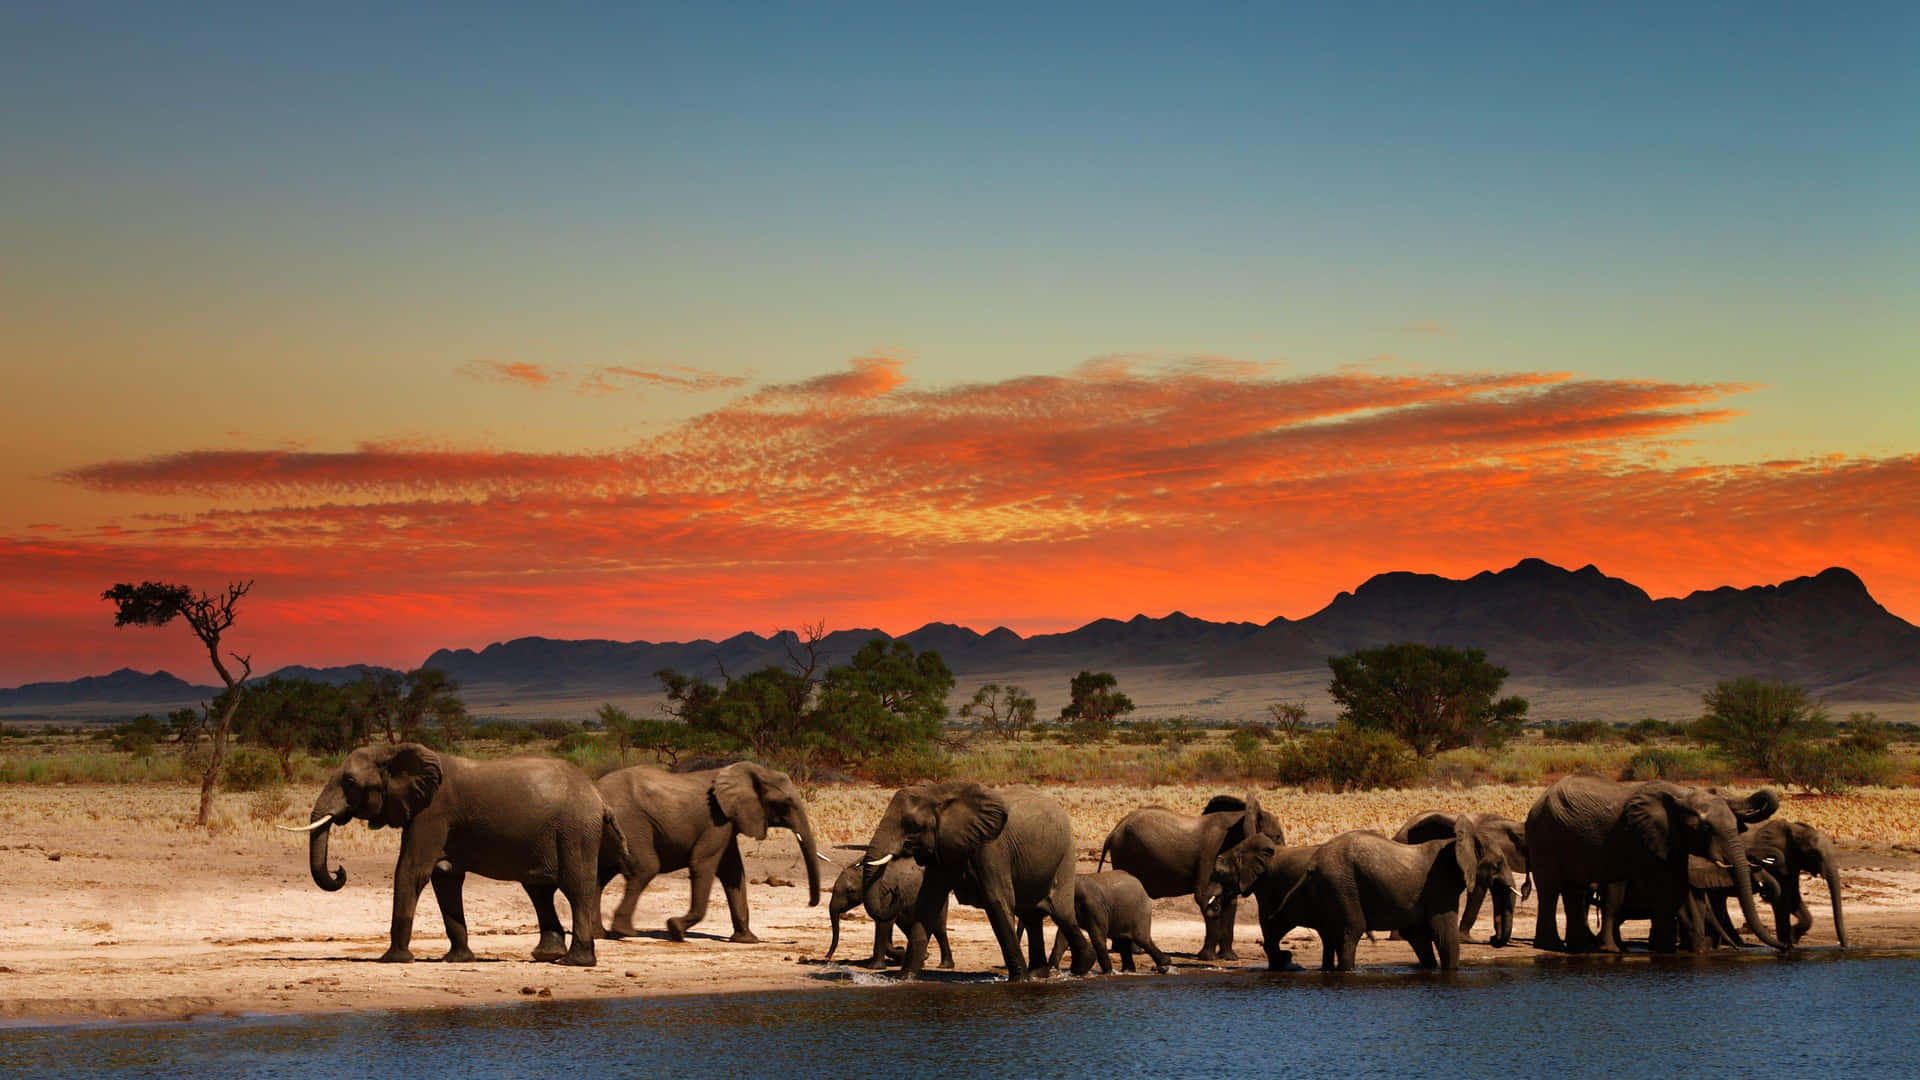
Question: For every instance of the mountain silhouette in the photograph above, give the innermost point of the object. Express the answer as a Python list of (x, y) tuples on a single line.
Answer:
[(1546, 625)]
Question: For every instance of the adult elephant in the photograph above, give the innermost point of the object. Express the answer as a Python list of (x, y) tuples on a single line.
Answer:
[(1584, 831), (1502, 847), (1267, 870), (1787, 850), (535, 820), (890, 903), (1008, 851), (1360, 881), (1173, 854), (693, 821)]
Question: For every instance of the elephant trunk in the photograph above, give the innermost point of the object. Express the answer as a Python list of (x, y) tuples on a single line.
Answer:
[(1736, 852), (330, 807), (833, 915), (808, 854), (1830, 867)]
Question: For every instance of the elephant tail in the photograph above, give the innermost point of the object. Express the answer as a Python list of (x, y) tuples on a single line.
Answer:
[(1104, 849), (615, 856)]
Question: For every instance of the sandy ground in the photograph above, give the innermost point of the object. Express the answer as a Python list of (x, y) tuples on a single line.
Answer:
[(121, 910)]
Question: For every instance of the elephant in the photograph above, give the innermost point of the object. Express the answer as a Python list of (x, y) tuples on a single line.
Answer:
[(889, 903), (1009, 851), (1112, 906), (1784, 850), (1502, 846), (535, 820), (1173, 854), (1584, 831), (1360, 881), (692, 820), (1266, 870), (1703, 921)]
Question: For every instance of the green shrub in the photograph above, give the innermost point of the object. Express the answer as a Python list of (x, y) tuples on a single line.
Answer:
[(249, 769), (1579, 731), (1833, 768), (554, 730), (909, 765), (1646, 729), (1675, 763), (1347, 759), (1754, 723), (503, 731)]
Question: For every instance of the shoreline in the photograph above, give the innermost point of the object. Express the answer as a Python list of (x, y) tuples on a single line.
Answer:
[(126, 914)]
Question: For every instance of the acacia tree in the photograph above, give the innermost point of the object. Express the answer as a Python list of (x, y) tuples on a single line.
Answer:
[(1434, 698), (1095, 703), (208, 615), (1002, 711), (1757, 723)]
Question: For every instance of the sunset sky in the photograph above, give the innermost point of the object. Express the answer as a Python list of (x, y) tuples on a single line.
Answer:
[(450, 326)]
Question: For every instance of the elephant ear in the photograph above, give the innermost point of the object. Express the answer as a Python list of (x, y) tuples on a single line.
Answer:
[(736, 795), (1704, 873), (413, 775), (1466, 851), (1756, 807), (1515, 836), (1811, 850), (1432, 825), (1221, 804), (1648, 817), (970, 816)]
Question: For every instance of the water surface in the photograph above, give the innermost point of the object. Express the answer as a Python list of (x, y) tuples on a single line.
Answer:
[(1847, 1017)]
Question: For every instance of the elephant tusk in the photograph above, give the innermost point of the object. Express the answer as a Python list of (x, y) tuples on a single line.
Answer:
[(881, 861), (824, 859), (306, 828)]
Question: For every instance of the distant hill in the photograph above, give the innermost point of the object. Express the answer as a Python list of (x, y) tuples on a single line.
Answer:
[(1550, 627)]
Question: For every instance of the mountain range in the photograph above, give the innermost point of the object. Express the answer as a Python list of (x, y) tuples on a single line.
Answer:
[(1550, 627)]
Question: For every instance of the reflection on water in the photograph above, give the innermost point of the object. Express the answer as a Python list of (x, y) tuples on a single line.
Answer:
[(1756, 1017)]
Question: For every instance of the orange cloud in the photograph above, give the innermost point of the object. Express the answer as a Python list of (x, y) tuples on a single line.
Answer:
[(518, 373), (609, 380), (1038, 502)]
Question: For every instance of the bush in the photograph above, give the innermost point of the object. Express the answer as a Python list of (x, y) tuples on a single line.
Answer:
[(248, 769), (1754, 723), (554, 730), (1646, 729), (909, 765), (1347, 759), (1674, 763), (1579, 731), (1833, 768), (503, 731), (1432, 697)]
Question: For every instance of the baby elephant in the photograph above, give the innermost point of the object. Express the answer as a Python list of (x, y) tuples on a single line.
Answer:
[(1113, 906), (890, 903)]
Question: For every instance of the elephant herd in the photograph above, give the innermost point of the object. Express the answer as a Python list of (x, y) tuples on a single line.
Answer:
[(1664, 852)]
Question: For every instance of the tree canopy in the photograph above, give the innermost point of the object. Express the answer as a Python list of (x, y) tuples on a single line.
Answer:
[(1433, 697)]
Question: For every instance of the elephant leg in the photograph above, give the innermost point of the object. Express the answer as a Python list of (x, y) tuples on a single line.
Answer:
[(1059, 949), (1065, 918), (882, 943), (1546, 933), (1006, 932), (1502, 916), (410, 876), (1223, 929), (447, 892), (1098, 937), (1470, 911), (1663, 938), (1349, 938), (1034, 925), (931, 905), (1613, 901), (701, 870), (1421, 938), (1161, 962), (1444, 931), (646, 866), (732, 873), (1124, 946), (553, 938), (581, 886), (1329, 952), (1579, 935), (1272, 929), (939, 932)]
